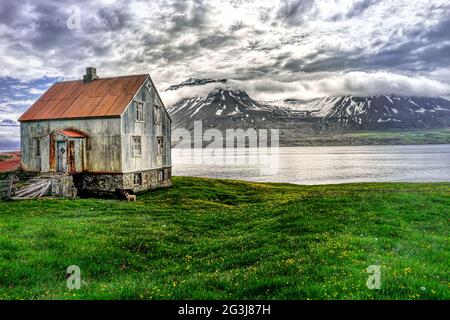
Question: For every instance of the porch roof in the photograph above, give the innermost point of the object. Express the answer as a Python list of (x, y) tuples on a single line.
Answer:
[(71, 133)]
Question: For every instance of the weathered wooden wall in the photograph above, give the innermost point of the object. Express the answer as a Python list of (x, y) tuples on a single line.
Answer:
[(102, 149), (148, 130)]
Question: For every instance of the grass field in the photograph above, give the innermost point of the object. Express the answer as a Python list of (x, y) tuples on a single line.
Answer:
[(424, 136), (210, 239), (387, 137)]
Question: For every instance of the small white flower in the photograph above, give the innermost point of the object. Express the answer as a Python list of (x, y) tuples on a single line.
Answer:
[(422, 288)]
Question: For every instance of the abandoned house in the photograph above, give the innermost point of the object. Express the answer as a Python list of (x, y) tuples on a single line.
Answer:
[(109, 134)]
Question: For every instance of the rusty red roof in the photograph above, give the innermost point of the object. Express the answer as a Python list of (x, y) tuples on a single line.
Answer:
[(71, 133), (104, 97)]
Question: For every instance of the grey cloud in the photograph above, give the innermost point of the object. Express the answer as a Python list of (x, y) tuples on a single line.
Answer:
[(238, 25), (113, 19), (439, 32), (276, 41), (418, 49), (216, 40), (359, 7), (185, 15), (10, 12), (294, 12)]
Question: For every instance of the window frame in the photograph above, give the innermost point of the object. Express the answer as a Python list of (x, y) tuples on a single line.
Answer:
[(134, 144), (160, 147), (139, 110), (137, 176), (157, 114), (163, 173)]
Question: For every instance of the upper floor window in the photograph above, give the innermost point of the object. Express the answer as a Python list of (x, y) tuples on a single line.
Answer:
[(148, 85), (160, 148), (157, 114), (137, 146), (139, 111)]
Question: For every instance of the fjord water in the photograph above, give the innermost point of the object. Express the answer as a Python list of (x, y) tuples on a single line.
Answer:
[(319, 165)]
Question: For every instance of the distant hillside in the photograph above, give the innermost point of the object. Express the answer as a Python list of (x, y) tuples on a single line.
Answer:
[(9, 135), (8, 123)]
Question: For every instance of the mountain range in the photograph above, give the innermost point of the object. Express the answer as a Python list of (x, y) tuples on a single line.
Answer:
[(226, 109), (230, 108)]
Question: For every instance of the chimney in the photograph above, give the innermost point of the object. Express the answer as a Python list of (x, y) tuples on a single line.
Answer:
[(91, 75)]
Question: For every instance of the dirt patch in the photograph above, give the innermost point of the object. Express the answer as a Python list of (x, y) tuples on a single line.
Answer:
[(4, 157), (9, 161)]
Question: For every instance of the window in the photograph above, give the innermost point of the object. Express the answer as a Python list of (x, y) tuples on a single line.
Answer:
[(160, 148), (157, 114), (137, 146), (161, 176), (37, 147), (148, 85), (137, 179), (139, 111)]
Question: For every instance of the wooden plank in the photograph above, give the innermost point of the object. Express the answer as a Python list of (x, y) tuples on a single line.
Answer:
[(12, 178), (33, 188), (71, 156), (52, 155)]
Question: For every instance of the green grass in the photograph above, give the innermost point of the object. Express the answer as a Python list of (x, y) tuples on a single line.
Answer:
[(424, 136), (387, 137), (211, 239)]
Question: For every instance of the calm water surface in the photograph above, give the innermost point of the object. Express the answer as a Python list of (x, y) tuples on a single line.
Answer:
[(320, 165)]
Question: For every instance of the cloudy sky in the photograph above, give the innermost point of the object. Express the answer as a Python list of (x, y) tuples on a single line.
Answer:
[(273, 49)]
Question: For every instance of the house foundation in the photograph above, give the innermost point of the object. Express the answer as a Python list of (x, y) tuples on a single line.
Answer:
[(132, 182)]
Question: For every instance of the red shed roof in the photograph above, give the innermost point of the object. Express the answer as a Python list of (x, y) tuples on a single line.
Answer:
[(104, 97)]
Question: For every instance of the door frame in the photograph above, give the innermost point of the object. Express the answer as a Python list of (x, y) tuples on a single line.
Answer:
[(64, 160)]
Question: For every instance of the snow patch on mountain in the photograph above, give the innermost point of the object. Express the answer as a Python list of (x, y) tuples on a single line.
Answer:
[(195, 82)]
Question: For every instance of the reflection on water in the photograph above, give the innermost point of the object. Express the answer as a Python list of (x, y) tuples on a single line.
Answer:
[(319, 165)]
